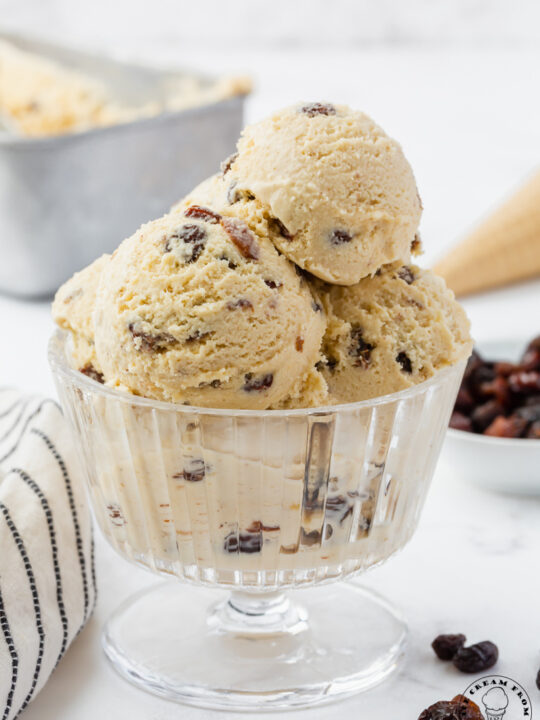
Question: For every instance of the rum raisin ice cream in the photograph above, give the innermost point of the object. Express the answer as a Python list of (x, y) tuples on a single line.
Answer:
[(198, 308), (73, 309), (389, 332), (340, 191)]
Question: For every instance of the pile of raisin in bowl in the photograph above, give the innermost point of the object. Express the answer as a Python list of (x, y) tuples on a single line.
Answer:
[(501, 399)]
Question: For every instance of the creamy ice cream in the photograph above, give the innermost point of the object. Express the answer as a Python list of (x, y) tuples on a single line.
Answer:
[(340, 191), (73, 309), (40, 97), (389, 332), (197, 308)]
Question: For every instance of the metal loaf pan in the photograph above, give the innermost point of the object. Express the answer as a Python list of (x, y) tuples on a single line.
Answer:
[(65, 200)]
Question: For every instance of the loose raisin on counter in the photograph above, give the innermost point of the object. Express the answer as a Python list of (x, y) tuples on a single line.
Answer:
[(476, 658), (460, 708), (446, 646)]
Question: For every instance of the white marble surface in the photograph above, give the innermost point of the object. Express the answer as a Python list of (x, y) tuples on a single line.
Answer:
[(468, 120)]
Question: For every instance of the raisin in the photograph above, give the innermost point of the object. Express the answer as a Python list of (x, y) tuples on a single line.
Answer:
[(229, 262), (310, 538), (458, 421), (339, 507), (504, 368), (524, 382), (202, 213), (193, 236), (473, 363), (317, 307), (257, 384), (241, 303), (530, 359), (406, 274), (317, 108), (228, 162), (233, 196), (90, 371), (194, 471), (243, 542), (476, 658), (510, 427), (197, 335), (272, 284), (483, 415), (249, 540), (464, 401), (242, 237), (530, 413), (416, 245), (277, 226), (460, 708), (299, 343), (405, 361), (360, 349), (150, 342), (115, 514), (339, 237), (446, 646)]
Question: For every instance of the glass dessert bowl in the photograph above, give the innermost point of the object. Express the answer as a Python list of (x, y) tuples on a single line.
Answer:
[(255, 503)]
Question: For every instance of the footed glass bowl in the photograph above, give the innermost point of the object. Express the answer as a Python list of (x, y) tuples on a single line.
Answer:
[(255, 503)]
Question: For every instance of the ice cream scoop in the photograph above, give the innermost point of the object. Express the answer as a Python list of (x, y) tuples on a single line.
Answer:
[(73, 309), (495, 701), (339, 190), (198, 308), (389, 332)]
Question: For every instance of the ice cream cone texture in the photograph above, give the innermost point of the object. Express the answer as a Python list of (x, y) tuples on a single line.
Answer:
[(503, 249)]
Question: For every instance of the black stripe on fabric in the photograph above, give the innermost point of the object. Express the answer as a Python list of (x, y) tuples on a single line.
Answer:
[(14, 425), (76, 525), (6, 630), (54, 550), (27, 423), (93, 564), (35, 599), (11, 408)]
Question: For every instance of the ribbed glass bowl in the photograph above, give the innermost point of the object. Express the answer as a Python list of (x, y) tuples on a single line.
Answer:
[(256, 502)]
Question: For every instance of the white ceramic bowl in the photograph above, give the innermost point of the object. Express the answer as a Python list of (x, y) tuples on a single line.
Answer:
[(502, 464)]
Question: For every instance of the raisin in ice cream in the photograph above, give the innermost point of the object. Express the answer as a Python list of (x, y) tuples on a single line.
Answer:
[(196, 307), (340, 191), (389, 332)]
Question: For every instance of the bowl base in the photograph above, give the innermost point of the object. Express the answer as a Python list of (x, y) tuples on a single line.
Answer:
[(271, 651)]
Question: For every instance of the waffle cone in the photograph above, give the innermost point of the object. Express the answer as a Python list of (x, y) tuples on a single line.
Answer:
[(503, 249)]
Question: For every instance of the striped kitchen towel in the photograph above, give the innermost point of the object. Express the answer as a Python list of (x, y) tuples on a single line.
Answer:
[(47, 583)]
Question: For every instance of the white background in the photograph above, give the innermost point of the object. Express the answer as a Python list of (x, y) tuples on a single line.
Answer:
[(456, 81)]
